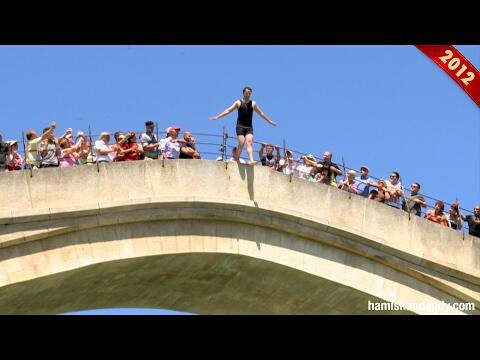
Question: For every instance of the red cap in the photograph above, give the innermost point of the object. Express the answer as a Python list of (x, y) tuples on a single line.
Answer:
[(171, 128)]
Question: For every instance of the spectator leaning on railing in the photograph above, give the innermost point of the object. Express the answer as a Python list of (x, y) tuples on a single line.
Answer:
[(49, 150), (313, 174), (83, 146), (415, 201), (380, 194), (363, 182), (187, 149), (13, 160), (326, 163), (394, 187), (3, 153), (454, 217), (473, 221), (323, 177), (287, 165), (68, 153), (269, 159), (436, 215), (303, 171), (104, 152), (172, 144), (33, 157), (129, 149), (149, 142), (120, 139), (349, 183)]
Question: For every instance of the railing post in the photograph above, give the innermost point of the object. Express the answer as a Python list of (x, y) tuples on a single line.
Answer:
[(158, 138), (404, 198), (223, 147), (159, 150), (224, 144), (91, 148), (285, 158), (345, 178), (25, 154)]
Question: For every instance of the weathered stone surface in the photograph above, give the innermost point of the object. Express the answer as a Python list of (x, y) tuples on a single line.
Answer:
[(64, 226)]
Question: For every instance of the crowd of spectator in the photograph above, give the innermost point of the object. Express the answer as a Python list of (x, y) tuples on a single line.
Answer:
[(389, 192), (66, 151)]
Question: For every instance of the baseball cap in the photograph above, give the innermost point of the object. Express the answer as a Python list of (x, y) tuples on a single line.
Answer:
[(364, 167), (171, 128), (80, 133)]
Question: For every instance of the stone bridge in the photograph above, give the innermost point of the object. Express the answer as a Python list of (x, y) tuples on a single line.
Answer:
[(205, 237)]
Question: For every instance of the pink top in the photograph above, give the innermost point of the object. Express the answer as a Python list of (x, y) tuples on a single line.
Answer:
[(67, 160)]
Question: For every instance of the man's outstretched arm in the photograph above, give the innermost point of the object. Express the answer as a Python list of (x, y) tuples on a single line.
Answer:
[(262, 114), (227, 111)]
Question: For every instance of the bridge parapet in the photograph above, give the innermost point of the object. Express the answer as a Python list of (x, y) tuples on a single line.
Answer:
[(62, 201)]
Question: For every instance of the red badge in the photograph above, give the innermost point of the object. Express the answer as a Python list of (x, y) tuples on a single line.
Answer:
[(457, 66)]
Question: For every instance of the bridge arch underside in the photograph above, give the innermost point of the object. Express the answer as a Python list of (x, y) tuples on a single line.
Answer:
[(201, 283), (205, 266)]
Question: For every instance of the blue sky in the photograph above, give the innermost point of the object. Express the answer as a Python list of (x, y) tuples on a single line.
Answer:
[(389, 107)]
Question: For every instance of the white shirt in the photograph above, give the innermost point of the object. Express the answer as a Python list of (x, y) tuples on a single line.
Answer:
[(398, 201), (172, 149), (9, 159), (290, 168), (303, 171), (162, 143), (100, 145)]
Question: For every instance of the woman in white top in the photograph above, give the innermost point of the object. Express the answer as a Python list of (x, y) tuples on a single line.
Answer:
[(303, 171), (103, 151)]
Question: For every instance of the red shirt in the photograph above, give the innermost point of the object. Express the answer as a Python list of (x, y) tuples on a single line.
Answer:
[(439, 219), (131, 156)]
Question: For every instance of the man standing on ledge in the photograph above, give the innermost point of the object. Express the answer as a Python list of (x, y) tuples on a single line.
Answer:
[(244, 122)]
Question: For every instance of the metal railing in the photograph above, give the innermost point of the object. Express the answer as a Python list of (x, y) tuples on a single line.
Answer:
[(222, 149)]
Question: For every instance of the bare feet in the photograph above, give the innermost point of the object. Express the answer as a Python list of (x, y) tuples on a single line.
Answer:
[(252, 163)]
